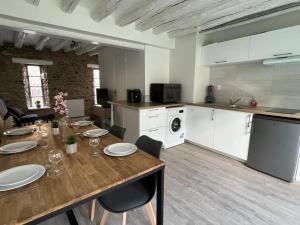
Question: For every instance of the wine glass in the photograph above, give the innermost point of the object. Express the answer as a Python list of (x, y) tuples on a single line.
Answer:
[(76, 126), (44, 135), (39, 123), (94, 142), (55, 156)]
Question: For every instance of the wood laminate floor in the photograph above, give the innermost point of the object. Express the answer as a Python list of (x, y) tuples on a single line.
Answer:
[(205, 188)]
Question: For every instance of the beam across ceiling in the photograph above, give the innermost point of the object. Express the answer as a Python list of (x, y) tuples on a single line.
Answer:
[(19, 39), (33, 2), (104, 8), (68, 6), (86, 48), (59, 45), (41, 43)]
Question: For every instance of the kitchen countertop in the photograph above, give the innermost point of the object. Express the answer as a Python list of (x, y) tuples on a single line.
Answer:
[(145, 105), (257, 110)]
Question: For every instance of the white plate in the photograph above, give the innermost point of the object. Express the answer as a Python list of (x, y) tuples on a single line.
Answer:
[(120, 149), (118, 155), (17, 147), (83, 123), (18, 174), (19, 131), (20, 180), (95, 133)]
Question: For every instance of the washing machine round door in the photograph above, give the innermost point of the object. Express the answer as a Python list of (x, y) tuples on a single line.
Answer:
[(175, 125)]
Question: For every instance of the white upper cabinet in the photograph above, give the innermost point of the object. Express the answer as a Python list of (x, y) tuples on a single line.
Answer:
[(226, 52), (274, 44)]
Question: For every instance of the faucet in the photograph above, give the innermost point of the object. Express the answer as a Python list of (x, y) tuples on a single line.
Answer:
[(233, 102)]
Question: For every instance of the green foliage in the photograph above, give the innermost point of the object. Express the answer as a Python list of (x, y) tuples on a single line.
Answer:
[(55, 123), (71, 139)]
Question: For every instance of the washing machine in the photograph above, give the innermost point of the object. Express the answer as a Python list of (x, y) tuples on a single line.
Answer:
[(175, 128)]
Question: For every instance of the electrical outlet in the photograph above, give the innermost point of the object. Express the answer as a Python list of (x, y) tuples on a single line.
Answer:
[(219, 87)]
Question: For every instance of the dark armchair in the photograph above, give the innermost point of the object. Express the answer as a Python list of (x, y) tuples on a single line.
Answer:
[(20, 118)]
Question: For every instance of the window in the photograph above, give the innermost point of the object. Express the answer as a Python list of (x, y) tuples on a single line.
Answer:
[(36, 86), (96, 74)]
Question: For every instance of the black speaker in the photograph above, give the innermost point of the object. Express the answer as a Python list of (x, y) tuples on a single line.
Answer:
[(102, 97)]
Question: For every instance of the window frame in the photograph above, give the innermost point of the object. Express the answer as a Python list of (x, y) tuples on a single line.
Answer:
[(31, 103)]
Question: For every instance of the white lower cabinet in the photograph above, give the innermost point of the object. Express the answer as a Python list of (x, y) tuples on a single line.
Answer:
[(232, 133), (226, 131), (200, 125)]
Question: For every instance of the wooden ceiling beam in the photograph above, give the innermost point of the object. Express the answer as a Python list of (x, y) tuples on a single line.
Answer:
[(68, 6), (59, 45), (104, 8), (33, 2), (41, 43), (87, 48), (19, 39), (263, 8), (175, 12)]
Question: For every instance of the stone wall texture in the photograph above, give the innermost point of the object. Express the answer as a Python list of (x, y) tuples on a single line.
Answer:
[(69, 73)]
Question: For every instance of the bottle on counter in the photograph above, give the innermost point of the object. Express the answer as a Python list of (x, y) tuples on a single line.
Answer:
[(253, 102)]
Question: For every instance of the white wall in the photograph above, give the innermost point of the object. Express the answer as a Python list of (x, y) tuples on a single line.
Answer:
[(157, 61), (185, 68), (49, 18)]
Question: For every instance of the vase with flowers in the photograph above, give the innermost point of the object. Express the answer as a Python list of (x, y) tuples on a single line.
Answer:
[(61, 110)]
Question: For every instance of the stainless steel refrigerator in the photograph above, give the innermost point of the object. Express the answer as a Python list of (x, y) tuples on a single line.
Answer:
[(274, 146)]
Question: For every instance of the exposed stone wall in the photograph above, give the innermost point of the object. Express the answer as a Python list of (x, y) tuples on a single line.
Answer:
[(69, 73)]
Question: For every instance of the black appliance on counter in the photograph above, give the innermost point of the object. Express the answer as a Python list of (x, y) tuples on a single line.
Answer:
[(165, 93), (210, 98), (102, 97), (134, 95)]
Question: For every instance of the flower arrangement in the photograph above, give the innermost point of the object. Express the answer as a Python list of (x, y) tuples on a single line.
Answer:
[(60, 106)]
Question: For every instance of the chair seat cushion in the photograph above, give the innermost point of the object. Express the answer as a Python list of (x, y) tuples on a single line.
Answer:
[(30, 118), (126, 198)]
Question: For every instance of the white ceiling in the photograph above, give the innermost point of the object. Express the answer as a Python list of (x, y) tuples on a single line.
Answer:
[(179, 17), (40, 42)]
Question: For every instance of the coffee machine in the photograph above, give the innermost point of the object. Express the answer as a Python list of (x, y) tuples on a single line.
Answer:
[(210, 98)]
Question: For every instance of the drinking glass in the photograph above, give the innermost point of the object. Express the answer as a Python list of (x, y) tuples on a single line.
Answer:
[(55, 156), (39, 123), (44, 135), (76, 126), (94, 142)]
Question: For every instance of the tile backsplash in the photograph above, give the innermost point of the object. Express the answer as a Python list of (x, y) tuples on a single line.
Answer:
[(272, 86)]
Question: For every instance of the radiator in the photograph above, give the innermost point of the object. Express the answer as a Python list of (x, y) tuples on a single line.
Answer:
[(76, 107)]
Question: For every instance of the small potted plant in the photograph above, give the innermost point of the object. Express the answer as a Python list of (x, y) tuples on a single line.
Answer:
[(55, 127), (71, 145), (38, 104)]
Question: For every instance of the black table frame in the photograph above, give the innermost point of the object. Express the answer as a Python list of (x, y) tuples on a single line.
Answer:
[(159, 204)]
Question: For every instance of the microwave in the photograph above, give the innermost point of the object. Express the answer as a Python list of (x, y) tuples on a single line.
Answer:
[(165, 93)]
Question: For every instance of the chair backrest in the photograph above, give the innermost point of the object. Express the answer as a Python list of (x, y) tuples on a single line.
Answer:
[(98, 122), (117, 131), (149, 145), (3, 109)]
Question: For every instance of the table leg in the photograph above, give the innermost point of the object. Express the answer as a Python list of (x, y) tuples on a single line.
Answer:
[(160, 198), (71, 217)]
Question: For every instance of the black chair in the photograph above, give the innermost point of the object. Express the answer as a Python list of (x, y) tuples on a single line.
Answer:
[(98, 122), (21, 118), (117, 131), (133, 195)]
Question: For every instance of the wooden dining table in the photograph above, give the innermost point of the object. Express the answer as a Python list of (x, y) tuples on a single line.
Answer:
[(84, 178)]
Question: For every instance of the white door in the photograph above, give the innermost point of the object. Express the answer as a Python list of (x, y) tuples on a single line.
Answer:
[(274, 44), (226, 52), (120, 77), (232, 132), (200, 125)]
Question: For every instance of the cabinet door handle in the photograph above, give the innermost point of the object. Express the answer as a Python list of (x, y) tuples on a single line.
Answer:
[(153, 130), (248, 124), (153, 116), (283, 54), (222, 61), (212, 114)]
